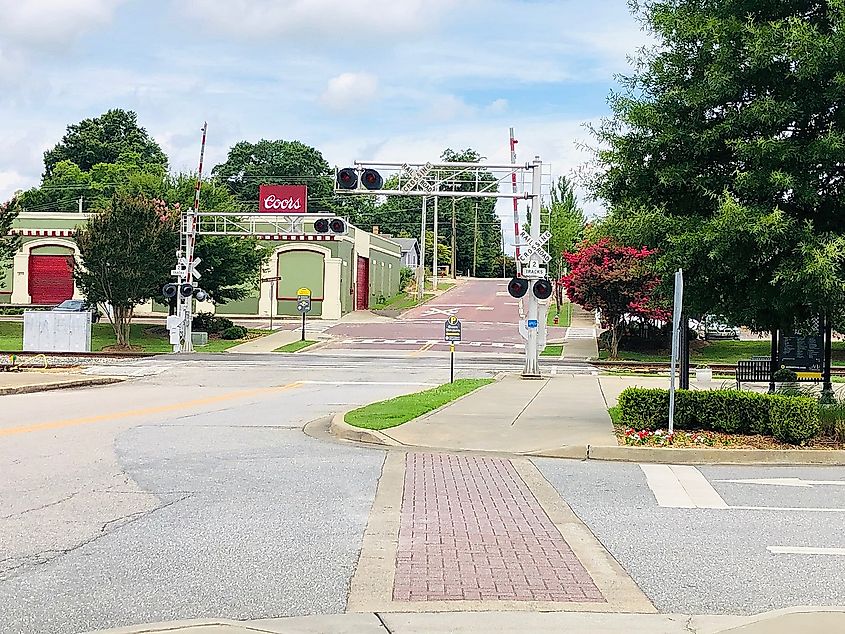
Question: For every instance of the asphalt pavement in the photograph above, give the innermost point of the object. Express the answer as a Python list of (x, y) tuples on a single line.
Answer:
[(716, 560), (189, 492), (489, 317)]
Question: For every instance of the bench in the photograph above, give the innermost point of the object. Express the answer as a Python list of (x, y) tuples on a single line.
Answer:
[(756, 370)]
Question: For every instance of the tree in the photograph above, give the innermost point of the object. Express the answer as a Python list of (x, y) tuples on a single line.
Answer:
[(231, 265), (9, 242), (726, 151), (126, 253), (566, 223), (104, 139), (615, 280), (249, 165)]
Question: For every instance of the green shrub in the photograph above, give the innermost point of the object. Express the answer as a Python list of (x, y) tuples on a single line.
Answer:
[(728, 411), (832, 420), (644, 408), (234, 332), (406, 274), (210, 323), (794, 419), (785, 375)]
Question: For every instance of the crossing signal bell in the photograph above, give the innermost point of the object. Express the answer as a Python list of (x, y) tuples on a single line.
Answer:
[(326, 225), (517, 287), (542, 289)]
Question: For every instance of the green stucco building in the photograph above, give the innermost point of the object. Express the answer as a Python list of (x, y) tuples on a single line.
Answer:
[(344, 272)]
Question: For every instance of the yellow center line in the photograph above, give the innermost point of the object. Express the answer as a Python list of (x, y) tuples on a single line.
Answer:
[(425, 347), (158, 409)]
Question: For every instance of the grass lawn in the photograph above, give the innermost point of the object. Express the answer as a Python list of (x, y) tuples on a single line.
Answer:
[(144, 337), (395, 411), (565, 317), (295, 346), (441, 285), (552, 350), (401, 301)]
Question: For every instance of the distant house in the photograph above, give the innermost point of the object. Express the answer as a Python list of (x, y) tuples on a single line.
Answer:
[(410, 251)]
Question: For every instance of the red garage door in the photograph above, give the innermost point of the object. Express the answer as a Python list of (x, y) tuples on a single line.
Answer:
[(50, 278), (362, 301)]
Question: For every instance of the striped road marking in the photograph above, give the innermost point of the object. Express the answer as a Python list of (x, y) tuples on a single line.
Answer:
[(682, 487), (804, 550)]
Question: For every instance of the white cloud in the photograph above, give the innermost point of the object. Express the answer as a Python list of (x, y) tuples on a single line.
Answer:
[(52, 24), (448, 108), (349, 90), (304, 19), (497, 107)]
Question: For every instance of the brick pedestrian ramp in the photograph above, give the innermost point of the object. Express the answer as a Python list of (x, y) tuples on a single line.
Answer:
[(471, 530)]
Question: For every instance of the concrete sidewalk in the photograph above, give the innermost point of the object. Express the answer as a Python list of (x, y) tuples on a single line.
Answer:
[(517, 416), (33, 381), (804, 620), (268, 343), (580, 342)]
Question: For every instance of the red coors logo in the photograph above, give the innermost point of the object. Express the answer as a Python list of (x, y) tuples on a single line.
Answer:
[(283, 199)]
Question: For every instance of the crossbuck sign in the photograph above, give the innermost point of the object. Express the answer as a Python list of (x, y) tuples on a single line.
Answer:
[(533, 249)]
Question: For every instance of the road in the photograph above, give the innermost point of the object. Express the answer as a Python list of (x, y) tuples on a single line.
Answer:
[(193, 490), (489, 316)]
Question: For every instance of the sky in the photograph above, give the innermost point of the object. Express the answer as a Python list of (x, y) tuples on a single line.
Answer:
[(391, 80)]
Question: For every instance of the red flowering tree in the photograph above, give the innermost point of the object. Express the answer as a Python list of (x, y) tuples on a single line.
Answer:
[(616, 280)]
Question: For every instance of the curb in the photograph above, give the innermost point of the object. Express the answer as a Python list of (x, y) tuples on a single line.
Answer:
[(343, 430), (669, 455), (608, 453), (47, 387), (811, 620)]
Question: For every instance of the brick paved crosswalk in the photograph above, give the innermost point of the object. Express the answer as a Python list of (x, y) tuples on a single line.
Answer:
[(470, 529)]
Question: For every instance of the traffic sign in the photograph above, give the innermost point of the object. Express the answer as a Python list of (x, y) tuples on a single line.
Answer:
[(303, 300), (535, 250), (453, 329), (533, 272), (532, 323)]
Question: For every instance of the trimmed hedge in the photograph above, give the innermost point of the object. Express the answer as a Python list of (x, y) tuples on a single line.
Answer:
[(795, 419), (792, 419)]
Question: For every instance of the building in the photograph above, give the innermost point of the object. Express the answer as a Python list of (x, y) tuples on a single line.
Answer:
[(344, 272), (410, 251)]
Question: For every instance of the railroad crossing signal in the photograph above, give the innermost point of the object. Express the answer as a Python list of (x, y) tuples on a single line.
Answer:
[(533, 249)]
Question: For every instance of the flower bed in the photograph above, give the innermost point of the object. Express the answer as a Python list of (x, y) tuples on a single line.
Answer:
[(718, 440)]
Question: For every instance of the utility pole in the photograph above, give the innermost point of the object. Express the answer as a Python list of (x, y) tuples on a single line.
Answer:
[(434, 245), (475, 240), (515, 207), (532, 354), (421, 267), (454, 251)]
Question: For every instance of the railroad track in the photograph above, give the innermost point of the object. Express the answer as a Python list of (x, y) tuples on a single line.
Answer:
[(658, 366)]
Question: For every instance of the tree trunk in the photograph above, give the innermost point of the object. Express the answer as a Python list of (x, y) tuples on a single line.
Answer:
[(614, 340), (121, 323)]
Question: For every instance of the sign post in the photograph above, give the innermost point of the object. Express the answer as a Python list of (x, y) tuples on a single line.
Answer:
[(676, 322), (272, 281), (303, 305), (452, 334)]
